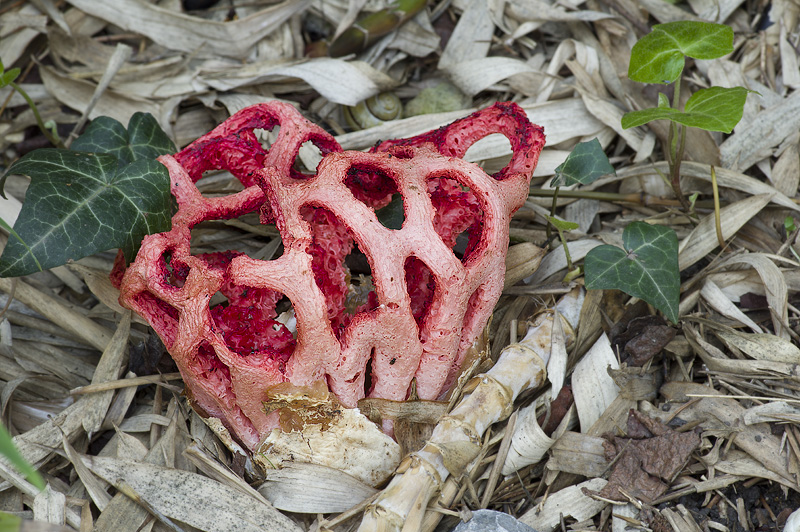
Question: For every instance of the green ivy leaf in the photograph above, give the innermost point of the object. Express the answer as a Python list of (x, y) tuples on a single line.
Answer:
[(712, 109), (144, 139), (80, 202), (392, 216), (658, 57), (585, 163), (647, 268)]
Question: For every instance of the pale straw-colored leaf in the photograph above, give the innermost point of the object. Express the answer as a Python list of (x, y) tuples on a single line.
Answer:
[(714, 10), (49, 506), (775, 287), (178, 31), (786, 172), (790, 69), (761, 346), (472, 36), (529, 443), (592, 386), (191, 498), (108, 369), (342, 82), (475, 75), (567, 502), (754, 140), (578, 453), (94, 486), (773, 411), (313, 489), (14, 44), (703, 238), (717, 300), (77, 94)]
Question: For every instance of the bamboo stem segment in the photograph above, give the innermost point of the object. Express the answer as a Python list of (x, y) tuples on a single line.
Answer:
[(456, 440)]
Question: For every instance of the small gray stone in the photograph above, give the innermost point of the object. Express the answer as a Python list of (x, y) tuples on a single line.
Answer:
[(491, 521)]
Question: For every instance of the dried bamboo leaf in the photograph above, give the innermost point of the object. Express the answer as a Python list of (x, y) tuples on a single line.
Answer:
[(522, 260), (549, 115), (122, 514), (342, 82), (177, 31), (592, 386), (109, 368), (761, 346), (777, 291), (49, 506), (13, 45), (79, 48), (725, 178), (191, 498), (51, 308), (546, 12), (747, 467), (703, 238), (77, 94), (472, 35), (754, 140), (756, 440), (717, 300), (786, 172), (715, 10), (568, 502), (312, 489), (475, 75), (212, 468), (580, 454), (95, 488), (789, 62), (529, 443), (774, 411)]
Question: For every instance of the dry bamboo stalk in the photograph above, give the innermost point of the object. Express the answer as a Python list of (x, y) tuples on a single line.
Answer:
[(455, 441)]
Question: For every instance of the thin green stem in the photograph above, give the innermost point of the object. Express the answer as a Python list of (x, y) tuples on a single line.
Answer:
[(566, 249), (552, 211), (51, 136)]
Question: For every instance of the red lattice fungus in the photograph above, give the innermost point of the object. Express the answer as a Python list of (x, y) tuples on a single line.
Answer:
[(428, 304)]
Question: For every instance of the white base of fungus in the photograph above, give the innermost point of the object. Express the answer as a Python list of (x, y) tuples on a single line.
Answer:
[(350, 443)]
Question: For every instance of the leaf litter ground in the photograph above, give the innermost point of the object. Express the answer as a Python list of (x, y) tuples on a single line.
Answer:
[(699, 428)]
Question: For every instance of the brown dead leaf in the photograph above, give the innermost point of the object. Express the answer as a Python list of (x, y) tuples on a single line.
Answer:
[(647, 460)]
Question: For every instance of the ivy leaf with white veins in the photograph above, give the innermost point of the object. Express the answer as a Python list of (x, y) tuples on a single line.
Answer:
[(585, 163), (82, 202), (647, 268)]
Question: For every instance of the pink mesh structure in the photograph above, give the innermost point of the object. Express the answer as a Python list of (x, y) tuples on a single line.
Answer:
[(428, 304)]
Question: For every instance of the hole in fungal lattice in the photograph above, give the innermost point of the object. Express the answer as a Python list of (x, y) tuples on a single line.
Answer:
[(308, 158), (421, 285), (341, 271), (267, 137), (492, 153), (378, 190), (459, 217), (250, 324)]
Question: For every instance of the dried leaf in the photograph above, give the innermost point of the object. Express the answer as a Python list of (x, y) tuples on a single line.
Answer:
[(703, 238), (177, 31), (593, 388), (191, 498), (313, 489)]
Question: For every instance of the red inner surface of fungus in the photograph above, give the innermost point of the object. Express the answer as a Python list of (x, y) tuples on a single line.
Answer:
[(422, 310)]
